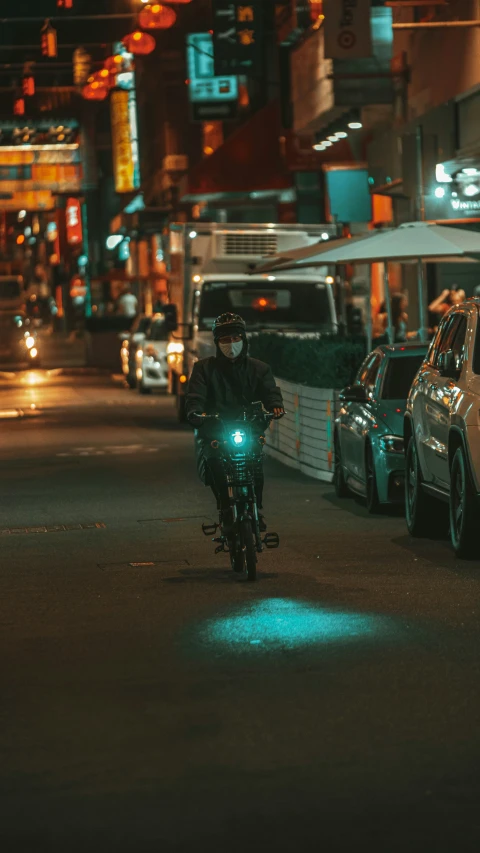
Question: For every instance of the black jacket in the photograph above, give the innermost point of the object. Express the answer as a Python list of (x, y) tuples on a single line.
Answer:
[(218, 385)]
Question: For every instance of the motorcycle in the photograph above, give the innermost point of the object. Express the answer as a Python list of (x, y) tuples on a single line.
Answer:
[(239, 447)]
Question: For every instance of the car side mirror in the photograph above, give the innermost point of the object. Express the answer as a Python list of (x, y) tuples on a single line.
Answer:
[(353, 394), (447, 364)]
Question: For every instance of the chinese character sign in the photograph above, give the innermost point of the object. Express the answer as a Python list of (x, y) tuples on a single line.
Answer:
[(237, 37), (73, 222), (124, 141)]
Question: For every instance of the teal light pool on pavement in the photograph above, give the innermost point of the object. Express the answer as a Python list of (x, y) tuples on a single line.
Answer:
[(286, 623)]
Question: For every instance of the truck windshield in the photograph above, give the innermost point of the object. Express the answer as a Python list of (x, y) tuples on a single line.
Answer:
[(273, 305), (10, 289)]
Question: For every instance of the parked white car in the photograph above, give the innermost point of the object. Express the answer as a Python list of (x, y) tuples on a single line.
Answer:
[(442, 432), (130, 343), (151, 357)]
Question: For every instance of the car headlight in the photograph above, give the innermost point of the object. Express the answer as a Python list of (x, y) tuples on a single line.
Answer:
[(392, 443), (238, 437), (30, 341), (174, 347)]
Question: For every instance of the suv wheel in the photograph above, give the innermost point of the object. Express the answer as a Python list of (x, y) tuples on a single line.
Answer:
[(373, 504), (463, 509), (420, 508), (341, 488)]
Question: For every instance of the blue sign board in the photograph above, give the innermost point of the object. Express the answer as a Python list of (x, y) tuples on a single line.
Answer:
[(203, 85)]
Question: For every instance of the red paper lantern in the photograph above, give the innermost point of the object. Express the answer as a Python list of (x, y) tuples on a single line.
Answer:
[(28, 85), (103, 77), (48, 40), (138, 43), (114, 63), (157, 17), (19, 107), (95, 91)]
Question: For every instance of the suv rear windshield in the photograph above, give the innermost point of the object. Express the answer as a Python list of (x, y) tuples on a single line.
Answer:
[(399, 376)]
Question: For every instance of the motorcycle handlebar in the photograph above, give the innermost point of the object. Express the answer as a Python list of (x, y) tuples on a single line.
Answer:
[(197, 419)]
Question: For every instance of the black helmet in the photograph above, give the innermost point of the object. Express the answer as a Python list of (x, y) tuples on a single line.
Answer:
[(229, 324)]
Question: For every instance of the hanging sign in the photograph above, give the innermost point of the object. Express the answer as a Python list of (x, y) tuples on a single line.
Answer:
[(347, 29), (238, 37), (125, 141), (203, 85), (73, 221)]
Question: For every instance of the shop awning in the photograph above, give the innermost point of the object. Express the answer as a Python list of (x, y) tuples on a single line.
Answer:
[(249, 161)]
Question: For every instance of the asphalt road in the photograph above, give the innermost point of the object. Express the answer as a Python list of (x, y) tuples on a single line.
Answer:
[(150, 701)]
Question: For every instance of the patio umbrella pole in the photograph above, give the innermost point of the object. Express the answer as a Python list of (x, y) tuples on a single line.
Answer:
[(423, 328), (368, 312), (388, 304)]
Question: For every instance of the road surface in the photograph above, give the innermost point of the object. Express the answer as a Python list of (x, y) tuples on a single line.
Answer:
[(151, 701)]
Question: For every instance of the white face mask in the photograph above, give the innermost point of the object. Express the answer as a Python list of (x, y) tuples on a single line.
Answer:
[(232, 350)]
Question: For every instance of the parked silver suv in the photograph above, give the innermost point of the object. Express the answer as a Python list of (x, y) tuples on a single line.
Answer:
[(442, 433)]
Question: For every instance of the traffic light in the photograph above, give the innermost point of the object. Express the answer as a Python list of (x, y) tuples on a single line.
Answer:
[(48, 40)]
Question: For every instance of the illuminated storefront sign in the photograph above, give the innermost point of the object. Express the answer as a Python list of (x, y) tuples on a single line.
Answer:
[(73, 221), (125, 141), (30, 201), (204, 86)]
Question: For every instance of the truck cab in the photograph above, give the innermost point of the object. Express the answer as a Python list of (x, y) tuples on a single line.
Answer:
[(212, 271)]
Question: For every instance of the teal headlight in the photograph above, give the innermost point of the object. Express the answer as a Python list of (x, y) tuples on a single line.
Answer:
[(238, 437)]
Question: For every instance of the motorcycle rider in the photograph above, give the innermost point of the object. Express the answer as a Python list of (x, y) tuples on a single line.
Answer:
[(225, 384)]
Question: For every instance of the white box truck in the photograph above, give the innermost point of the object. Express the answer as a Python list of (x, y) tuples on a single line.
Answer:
[(210, 266)]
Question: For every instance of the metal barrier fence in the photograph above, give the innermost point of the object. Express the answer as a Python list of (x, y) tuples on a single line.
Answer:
[(303, 439)]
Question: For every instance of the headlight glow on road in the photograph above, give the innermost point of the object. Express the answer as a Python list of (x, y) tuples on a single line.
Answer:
[(284, 623)]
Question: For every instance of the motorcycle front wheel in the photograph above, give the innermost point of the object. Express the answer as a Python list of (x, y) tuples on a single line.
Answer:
[(248, 549)]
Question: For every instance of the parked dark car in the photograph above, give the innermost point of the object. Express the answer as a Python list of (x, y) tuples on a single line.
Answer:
[(368, 436)]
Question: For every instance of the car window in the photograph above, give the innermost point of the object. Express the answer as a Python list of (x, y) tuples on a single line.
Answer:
[(447, 334), (373, 373), (364, 371), (440, 336), (476, 351), (399, 375), (367, 375), (458, 341)]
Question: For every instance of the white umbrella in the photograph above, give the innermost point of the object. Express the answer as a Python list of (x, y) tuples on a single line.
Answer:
[(412, 241)]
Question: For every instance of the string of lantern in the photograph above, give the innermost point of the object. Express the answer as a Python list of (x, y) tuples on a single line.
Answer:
[(152, 16)]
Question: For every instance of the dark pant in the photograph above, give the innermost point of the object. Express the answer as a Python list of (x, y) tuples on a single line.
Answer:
[(216, 480)]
